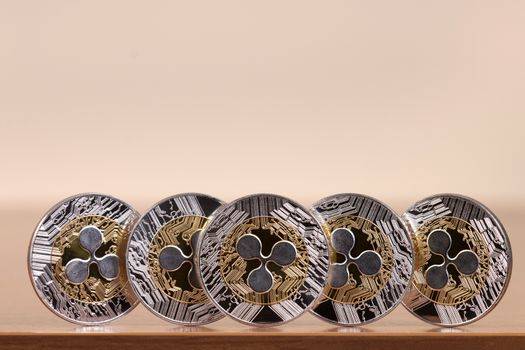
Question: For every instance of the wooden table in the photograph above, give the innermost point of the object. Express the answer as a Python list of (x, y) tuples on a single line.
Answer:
[(26, 324)]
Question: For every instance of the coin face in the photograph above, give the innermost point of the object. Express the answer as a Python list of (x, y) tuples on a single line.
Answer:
[(463, 260), (162, 259), (77, 259), (371, 259), (263, 259)]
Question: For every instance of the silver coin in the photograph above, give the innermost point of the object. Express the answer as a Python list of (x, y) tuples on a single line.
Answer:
[(77, 259), (162, 255), (463, 260), (263, 259), (371, 259)]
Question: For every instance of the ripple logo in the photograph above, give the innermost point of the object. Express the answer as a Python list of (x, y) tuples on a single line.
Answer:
[(249, 247), (171, 258), (77, 270), (466, 261), (368, 262)]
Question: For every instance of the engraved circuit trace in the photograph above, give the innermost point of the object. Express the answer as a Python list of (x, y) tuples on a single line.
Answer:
[(171, 258)]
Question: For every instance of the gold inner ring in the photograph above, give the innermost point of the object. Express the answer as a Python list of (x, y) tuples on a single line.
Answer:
[(66, 247), (286, 280), (368, 236), (460, 288), (175, 284)]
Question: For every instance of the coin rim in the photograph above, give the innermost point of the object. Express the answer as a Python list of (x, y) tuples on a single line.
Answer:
[(404, 226), (316, 297), (133, 302), (137, 294), (500, 226)]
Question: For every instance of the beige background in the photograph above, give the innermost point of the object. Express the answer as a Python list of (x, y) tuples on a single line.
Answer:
[(142, 100)]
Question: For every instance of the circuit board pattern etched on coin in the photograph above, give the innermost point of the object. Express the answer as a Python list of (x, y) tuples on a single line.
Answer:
[(371, 259), (263, 259), (162, 259), (463, 260), (77, 259)]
